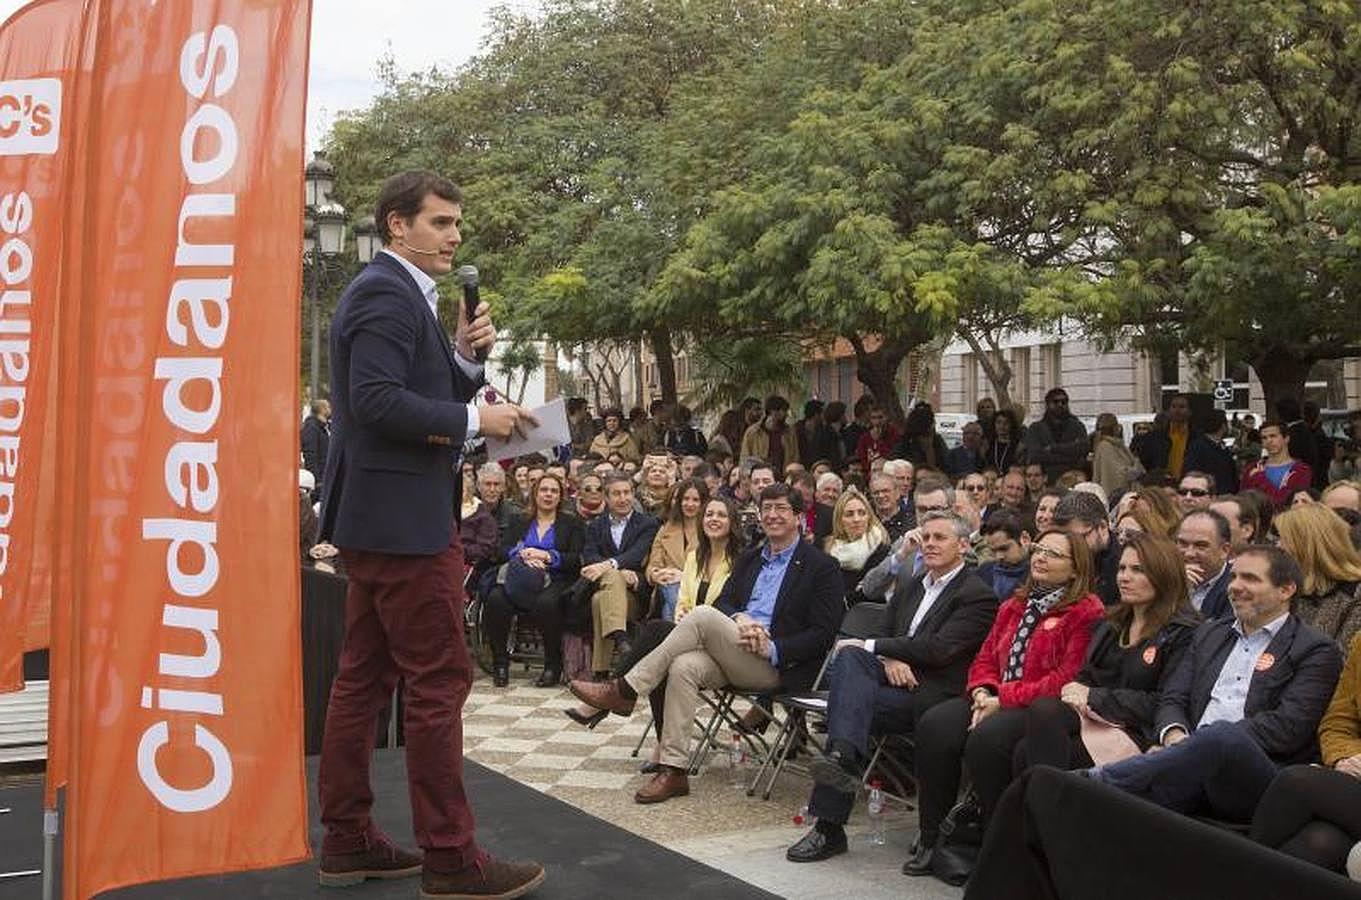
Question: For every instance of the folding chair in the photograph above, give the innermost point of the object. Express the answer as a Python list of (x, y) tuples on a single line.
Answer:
[(861, 621)]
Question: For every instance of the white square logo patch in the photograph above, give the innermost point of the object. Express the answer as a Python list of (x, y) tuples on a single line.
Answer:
[(30, 116)]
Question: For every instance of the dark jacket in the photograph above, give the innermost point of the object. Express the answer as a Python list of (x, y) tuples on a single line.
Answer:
[(1216, 604), (1154, 447), (1002, 455), (947, 639), (1002, 578), (1125, 681), (808, 609), (1213, 458), (962, 461), (316, 443), (569, 539), (919, 450), (632, 551), (821, 442), (1285, 700), (685, 440), (400, 403), (1058, 446), (480, 538)]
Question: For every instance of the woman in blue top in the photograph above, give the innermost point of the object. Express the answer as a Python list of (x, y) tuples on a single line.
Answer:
[(543, 558)]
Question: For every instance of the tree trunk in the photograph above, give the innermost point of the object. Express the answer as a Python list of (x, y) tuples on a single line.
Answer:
[(1282, 375), (551, 387), (666, 364), (996, 368), (877, 370)]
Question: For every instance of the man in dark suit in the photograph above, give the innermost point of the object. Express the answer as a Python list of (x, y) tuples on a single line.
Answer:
[(1245, 700), (771, 627), (316, 442), (1204, 539), (617, 545), (935, 623), (401, 394)]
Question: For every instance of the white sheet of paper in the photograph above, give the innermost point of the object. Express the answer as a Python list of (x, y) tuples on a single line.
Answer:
[(552, 431)]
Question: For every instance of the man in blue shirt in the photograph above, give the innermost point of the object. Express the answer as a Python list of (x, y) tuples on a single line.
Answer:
[(770, 628)]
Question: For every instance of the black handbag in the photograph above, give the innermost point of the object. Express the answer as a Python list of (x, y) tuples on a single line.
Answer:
[(961, 837)]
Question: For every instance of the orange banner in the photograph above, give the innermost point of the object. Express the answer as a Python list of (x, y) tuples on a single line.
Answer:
[(180, 738), (38, 48)]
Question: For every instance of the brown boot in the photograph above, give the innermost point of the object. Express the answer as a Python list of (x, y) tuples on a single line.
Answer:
[(667, 783), (487, 879), (603, 695), (382, 859)]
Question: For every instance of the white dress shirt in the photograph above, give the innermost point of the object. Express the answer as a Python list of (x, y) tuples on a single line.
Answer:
[(933, 588), (472, 369)]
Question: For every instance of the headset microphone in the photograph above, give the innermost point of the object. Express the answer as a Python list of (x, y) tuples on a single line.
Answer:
[(468, 275), (421, 252)]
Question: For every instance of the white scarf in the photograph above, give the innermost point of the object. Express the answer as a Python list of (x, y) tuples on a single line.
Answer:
[(852, 555)]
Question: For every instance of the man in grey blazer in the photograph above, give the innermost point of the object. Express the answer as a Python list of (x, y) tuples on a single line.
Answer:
[(933, 627)]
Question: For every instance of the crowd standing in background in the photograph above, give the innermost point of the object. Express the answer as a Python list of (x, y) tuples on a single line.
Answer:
[(1166, 612)]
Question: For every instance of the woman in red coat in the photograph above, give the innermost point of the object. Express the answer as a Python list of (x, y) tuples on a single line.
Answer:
[(1037, 644)]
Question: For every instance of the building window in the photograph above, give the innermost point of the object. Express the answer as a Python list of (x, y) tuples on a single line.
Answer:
[(845, 376), (1053, 366), (1020, 374), (1169, 375), (970, 380)]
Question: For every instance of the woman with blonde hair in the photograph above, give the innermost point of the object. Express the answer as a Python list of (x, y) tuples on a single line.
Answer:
[(1330, 596), (858, 540)]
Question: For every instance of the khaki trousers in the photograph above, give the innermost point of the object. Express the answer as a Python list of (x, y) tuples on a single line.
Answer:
[(610, 605), (701, 652)]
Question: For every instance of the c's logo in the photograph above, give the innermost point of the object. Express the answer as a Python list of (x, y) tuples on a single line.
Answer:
[(30, 116)]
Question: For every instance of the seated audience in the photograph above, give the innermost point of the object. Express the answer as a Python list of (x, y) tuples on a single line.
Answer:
[(1205, 544), (888, 506), (1035, 481), (1343, 495), (1008, 540), (477, 530), (857, 542), (683, 438), (1162, 511), (1084, 516), (617, 545), (658, 475), (770, 628), (1313, 812), (1003, 448), (878, 440), (1140, 641), (1045, 504), (727, 437), (491, 488), (935, 623), (1329, 597), (772, 438), (676, 537), (827, 490), (708, 563), (543, 561), (1242, 521), (1196, 490), (1245, 700), (967, 458), (1012, 496), (1035, 646), (920, 444), (614, 440)]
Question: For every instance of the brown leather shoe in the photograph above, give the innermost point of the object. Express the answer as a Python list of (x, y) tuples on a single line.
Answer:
[(487, 879), (382, 859), (667, 783), (603, 695)]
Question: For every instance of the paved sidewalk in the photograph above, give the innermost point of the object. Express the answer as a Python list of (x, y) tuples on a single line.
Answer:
[(522, 732)]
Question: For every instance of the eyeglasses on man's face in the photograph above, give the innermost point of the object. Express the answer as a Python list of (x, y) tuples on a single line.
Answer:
[(1051, 552)]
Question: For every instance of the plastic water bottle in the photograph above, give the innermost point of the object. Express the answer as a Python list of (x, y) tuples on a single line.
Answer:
[(737, 758), (801, 817), (876, 814)]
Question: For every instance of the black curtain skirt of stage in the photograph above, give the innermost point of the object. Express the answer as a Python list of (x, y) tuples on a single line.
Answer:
[(585, 857)]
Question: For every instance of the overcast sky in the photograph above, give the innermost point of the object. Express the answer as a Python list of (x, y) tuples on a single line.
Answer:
[(348, 37)]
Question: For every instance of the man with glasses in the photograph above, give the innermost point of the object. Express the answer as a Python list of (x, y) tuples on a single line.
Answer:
[(888, 506), (769, 629), (1196, 491), (1058, 441), (1083, 515)]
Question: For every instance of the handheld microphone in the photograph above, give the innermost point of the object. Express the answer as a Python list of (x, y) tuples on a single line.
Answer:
[(468, 275)]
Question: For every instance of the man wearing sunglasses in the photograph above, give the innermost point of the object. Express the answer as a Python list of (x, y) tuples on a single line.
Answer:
[(1195, 491), (1058, 441)]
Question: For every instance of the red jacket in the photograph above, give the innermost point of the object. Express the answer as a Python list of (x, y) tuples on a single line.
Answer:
[(1299, 477), (1053, 657), (880, 448)]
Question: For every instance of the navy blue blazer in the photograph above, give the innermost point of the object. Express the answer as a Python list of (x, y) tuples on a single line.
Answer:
[(1285, 700), (400, 417), (808, 609), (632, 550), (1216, 604)]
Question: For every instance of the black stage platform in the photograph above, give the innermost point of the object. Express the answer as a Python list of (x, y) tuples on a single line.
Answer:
[(585, 856)]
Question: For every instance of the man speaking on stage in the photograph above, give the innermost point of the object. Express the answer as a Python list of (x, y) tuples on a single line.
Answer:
[(401, 396)]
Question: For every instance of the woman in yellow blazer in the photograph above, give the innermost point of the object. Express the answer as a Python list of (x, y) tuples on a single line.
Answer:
[(1314, 812), (703, 574)]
